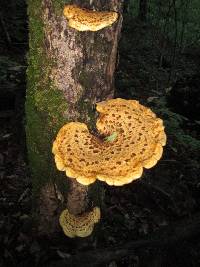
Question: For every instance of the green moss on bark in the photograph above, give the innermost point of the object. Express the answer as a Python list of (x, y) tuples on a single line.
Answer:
[(86, 79), (59, 5), (45, 104), (52, 103), (44, 119), (87, 114)]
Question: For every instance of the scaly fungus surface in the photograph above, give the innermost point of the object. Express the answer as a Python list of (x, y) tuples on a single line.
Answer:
[(137, 143), (83, 19), (79, 226)]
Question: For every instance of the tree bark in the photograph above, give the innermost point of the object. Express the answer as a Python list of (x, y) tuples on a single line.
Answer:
[(69, 71)]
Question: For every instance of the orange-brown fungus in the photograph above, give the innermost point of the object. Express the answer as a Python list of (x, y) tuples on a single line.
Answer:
[(83, 19), (81, 225), (139, 140)]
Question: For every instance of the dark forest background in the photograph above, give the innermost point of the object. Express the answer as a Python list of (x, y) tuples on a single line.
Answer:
[(154, 221)]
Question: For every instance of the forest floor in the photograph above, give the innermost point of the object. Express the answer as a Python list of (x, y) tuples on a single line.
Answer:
[(135, 215)]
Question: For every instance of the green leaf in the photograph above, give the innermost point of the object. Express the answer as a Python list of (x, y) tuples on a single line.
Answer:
[(111, 137)]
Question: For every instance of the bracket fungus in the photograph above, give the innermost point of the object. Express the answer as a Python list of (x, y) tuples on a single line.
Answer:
[(81, 225), (83, 19), (138, 143)]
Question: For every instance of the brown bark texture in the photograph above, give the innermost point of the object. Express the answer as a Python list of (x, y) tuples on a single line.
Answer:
[(69, 71)]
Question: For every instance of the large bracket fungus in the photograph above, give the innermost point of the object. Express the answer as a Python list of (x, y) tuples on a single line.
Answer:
[(79, 226), (83, 19), (138, 143)]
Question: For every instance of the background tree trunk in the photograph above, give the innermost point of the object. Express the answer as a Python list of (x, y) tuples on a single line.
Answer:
[(68, 72), (126, 6), (143, 8)]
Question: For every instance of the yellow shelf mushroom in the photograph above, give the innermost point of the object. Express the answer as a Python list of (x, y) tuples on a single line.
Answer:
[(83, 19), (136, 141), (81, 225)]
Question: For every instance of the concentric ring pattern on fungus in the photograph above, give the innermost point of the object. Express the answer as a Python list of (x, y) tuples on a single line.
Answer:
[(139, 142)]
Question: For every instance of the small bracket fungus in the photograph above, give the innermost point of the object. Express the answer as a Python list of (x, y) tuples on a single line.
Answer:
[(80, 226), (135, 140), (83, 19)]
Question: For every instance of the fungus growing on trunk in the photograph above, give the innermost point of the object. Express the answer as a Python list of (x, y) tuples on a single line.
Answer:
[(79, 226), (138, 142), (83, 19)]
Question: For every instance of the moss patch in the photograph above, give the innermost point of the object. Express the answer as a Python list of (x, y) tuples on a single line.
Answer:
[(86, 79), (45, 104), (52, 102), (58, 6), (41, 132)]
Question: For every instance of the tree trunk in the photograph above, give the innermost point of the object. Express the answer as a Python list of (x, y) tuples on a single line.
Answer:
[(143, 8), (69, 71), (126, 6)]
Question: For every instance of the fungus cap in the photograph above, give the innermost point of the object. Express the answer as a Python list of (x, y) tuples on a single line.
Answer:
[(81, 225), (83, 19), (138, 143)]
